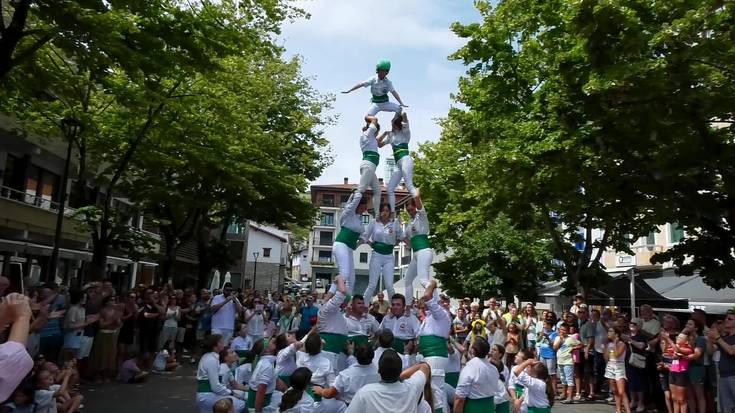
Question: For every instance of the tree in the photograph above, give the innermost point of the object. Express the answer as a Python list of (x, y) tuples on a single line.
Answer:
[(584, 120), (118, 80), (239, 147)]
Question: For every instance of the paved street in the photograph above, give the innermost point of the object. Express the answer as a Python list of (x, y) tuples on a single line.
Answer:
[(175, 393)]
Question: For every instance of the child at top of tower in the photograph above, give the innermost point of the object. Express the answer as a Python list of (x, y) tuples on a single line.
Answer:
[(379, 87)]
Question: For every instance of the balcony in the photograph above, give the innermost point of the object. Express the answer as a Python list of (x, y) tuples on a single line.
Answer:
[(323, 262), (33, 200)]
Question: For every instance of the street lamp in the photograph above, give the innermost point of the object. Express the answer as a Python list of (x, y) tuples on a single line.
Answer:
[(71, 129), (255, 268)]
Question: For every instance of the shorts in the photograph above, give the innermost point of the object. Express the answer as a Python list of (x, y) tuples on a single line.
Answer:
[(384, 107), (615, 371), (678, 379), (727, 393), (85, 347), (566, 374), (180, 332), (550, 365), (696, 375)]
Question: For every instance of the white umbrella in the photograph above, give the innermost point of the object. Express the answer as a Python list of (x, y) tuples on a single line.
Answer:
[(215, 281), (227, 277)]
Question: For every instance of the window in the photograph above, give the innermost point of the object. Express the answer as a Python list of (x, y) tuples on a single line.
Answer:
[(676, 233), (343, 200), (325, 257), (328, 200), (650, 241), (327, 219), (266, 252), (325, 238), (363, 257)]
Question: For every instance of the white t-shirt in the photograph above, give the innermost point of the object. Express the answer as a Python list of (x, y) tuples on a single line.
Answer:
[(224, 318), (398, 397), (352, 379), (159, 364), (600, 338), (44, 399), (368, 141), (242, 343), (534, 392), (477, 380), (378, 87)]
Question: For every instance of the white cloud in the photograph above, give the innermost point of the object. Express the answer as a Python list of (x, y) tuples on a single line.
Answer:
[(417, 24)]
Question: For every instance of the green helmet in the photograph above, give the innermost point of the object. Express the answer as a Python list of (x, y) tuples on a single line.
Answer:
[(383, 64)]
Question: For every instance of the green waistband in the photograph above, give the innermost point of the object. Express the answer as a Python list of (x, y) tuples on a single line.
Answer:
[(451, 378), (333, 343), (310, 392), (359, 340), (399, 151), (484, 405), (380, 98), (251, 398), (539, 409), (519, 390), (203, 386), (420, 242), (371, 156), (285, 379), (433, 346), (348, 237), (399, 345), (382, 248), (503, 407)]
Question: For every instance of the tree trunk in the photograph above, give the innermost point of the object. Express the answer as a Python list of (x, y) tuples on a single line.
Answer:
[(12, 36), (98, 266), (168, 260)]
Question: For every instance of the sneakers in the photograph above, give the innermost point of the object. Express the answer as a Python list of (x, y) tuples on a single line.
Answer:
[(577, 397), (567, 401)]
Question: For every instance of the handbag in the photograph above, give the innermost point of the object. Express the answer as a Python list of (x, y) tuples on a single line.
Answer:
[(636, 360)]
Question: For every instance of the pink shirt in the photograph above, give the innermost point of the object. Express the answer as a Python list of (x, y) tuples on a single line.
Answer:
[(15, 363)]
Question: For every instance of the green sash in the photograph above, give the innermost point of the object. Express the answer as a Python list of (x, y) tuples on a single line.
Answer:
[(285, 379), (503, 407), (539, 409), (451, 378), (348, 237), (251, 398), (399, 345), (359, 340), (333, 343), (420, 242), (382, 248), (371, 156), (203, 386), (433, 346), (310, 392), (399, 151), (380, 98), (519, 390), (484, 405)]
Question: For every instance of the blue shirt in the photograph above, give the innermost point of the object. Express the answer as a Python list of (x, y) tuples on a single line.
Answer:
[(307, 313), (546, 349)]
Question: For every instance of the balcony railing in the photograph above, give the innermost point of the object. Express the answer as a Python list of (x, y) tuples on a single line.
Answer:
[(33, 200), (323, 261)]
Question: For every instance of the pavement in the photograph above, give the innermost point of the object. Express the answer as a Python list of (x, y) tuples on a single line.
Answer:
[(174, 392)]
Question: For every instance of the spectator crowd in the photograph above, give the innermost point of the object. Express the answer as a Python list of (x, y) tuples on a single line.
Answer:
[(336, 353)]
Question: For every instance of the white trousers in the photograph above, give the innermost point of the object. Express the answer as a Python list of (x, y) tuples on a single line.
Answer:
[(205, 402), (385, 107), (368, 178), (380, 264), (404, 169), (420, 265), (438, 364), (345, 263)]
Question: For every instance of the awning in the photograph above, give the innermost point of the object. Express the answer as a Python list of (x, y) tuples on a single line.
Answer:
[(22, 247), (699, 294), (618, 290)]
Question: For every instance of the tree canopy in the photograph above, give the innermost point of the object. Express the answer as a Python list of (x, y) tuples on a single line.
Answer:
[(587, 124)]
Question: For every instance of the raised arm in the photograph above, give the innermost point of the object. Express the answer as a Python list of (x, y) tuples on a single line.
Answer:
[(353, 202), (357, 86)]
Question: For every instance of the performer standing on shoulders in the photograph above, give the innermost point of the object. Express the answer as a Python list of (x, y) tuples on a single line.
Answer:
[(344, 246), (379, 87), (370, 159), (416, 232), (399, 137), (382, 234)]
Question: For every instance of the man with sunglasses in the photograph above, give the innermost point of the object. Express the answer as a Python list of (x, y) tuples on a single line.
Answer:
[(225, 308)]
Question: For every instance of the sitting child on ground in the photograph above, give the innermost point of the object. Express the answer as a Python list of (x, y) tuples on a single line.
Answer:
[(130, 371)]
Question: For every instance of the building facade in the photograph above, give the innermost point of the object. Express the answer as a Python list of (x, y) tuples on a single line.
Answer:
[(262, 256)]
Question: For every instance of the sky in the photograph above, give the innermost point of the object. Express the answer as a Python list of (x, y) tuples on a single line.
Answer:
[(340, 45)]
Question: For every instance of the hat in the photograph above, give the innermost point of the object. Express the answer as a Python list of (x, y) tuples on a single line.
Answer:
[(582, 306), (90, 285), (637, 321), (383, 64)]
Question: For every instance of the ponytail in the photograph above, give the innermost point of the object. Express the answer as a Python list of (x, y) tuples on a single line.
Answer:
[(300, 379), (542, 373)]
